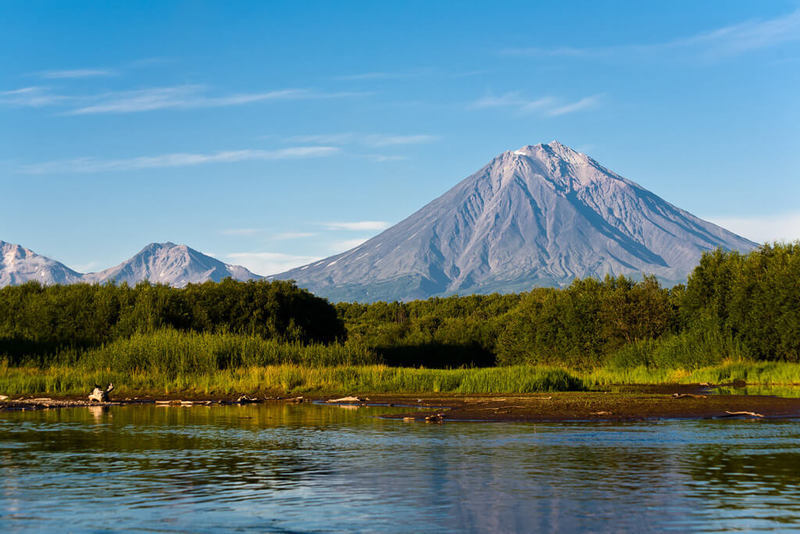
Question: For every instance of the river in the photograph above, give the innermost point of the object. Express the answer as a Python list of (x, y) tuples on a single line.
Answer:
[(311, 468)]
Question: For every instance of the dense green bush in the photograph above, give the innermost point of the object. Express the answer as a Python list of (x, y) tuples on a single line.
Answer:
[(41, 320), (753, 299)]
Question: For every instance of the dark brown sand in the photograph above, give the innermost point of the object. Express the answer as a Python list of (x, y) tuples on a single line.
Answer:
[(595, 406)]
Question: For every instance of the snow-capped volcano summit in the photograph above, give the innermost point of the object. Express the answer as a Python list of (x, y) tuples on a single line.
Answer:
[(171, 264), (540, 215)]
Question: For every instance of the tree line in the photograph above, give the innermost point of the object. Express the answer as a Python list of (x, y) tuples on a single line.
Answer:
[(38, 320), (733, 305)]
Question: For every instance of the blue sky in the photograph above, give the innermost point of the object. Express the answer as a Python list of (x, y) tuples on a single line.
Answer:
[(270, 134)]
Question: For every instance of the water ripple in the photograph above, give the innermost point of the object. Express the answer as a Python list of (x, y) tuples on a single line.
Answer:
[(317, 468)]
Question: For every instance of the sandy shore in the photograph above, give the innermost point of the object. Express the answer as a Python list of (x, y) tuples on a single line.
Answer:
[(632, 403)]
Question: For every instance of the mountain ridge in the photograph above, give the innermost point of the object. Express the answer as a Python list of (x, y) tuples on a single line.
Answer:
[(166, 263)]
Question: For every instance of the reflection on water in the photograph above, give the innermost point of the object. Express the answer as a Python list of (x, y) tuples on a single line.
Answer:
[(792, 392), (321, 468)]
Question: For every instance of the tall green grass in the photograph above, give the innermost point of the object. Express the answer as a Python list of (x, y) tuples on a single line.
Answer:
[(290, 379), (756, 373), (175, 362), (690, 349), (173, 353), (298, 379)]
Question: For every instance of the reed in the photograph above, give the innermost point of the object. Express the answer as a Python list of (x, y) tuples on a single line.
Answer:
[(173, 353), (289, 379), (754, 373)]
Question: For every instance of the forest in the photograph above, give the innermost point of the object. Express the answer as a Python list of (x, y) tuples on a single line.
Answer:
[(734, 308)]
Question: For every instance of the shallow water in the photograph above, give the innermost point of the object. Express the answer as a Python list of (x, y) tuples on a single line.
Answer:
[(307, 468), (791, 392)]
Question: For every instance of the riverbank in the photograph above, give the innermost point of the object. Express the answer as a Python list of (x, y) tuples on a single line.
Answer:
[(294, 380), (628, 404)]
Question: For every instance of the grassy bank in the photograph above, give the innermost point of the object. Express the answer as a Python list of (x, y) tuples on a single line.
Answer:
[(291, 379), (297, 379), (169, 361), (755, 373)]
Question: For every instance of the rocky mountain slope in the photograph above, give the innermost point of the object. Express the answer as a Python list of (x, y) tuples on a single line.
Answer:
[(19, 265), (538, 216)]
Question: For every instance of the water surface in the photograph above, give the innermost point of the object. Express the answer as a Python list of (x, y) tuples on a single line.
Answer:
[(309, 468)]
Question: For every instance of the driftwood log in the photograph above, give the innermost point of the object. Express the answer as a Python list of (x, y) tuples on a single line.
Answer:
[(346, 399), (734, 414), (688, 396), (100, 395)]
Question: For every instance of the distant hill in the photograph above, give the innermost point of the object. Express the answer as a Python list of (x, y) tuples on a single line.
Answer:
[(170, 264), (163, 263), (19, 265), (542, 215)]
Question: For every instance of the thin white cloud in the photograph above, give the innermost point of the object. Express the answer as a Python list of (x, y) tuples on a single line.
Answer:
[(76, 73), (92, 165), (293, 235), (381, 158), (516, 100), (546, 105), (347, 244), (267, 263), (243, 231), (263, 232), (190, 96), (381, 140), (155, 98), (357, 225), (746, 36), (726, 41), (417, 73), (763, 228), (583, 103), (384, 75), (34, 97), (325, 139), (371, 140), (88, 267)]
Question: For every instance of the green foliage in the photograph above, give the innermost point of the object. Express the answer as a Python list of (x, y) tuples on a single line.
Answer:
[(754, 299), (581, 324), (691, 349), (292, 379), (734, 307), (438, 332), (37, 321), (173, 353)]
